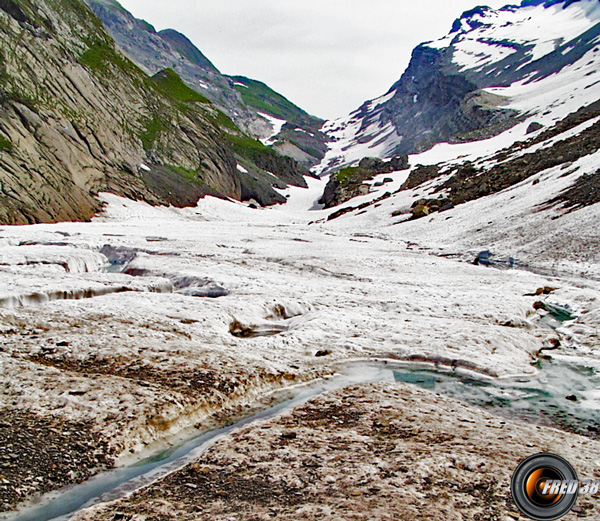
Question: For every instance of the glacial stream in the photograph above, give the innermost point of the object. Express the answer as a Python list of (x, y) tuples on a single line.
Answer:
[(560, 394)]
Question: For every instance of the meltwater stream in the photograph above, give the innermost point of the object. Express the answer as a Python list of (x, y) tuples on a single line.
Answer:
[(560, 394)]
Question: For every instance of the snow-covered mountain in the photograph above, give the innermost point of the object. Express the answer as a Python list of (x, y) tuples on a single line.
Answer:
[(495, 69), (501, 120)]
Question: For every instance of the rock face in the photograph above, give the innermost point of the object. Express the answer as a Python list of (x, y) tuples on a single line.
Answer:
[(441, 96), (245, 101), (350, 181), (433, 102), (78, 118), (300, 136)]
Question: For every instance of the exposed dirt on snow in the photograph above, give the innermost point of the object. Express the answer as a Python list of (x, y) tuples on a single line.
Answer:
[(384, 451), (40, 454), (139, 367)]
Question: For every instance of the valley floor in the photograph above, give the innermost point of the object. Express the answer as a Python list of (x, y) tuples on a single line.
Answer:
[(385, 452), (201, 311)]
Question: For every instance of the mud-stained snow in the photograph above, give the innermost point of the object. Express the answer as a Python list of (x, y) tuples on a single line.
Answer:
[(356, 287), (378, 452), (152, 320)]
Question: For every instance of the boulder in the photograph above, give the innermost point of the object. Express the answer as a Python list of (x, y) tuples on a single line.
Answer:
[(419, 211), (534, 127)]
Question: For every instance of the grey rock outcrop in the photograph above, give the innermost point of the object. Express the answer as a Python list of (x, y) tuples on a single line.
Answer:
[(350, 181), (78, 118)]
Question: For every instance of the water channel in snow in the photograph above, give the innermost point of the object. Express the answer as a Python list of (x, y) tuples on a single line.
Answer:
[(559, 394)]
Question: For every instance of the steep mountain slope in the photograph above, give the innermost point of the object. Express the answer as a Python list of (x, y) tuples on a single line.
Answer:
[(537, 201), (296, 133), (187, 49), (154, 52), (78, 118), (530, 192), (252, 105), (479, 80)]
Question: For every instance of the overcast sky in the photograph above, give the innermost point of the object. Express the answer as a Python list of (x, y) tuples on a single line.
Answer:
[(327, 56)]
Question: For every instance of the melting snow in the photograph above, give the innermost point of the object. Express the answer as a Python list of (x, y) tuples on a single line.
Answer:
[(276, 124)]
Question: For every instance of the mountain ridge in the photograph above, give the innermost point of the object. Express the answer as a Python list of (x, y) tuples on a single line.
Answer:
[(447, 92), (186, 48), (155, 51)]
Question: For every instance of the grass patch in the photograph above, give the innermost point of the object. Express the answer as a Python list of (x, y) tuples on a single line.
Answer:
[(193, 176), (248, 147), (5, 145), (152, 128), (101, 56), (222, 120), (170, 84), (345, 174), (18, 97), (263, 98), (95, 57)]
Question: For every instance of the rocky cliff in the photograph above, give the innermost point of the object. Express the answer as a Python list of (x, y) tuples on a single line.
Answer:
[(450, 90), (77, 117), (254, 107)]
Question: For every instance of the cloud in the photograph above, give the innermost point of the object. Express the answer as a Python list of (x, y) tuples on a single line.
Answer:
[(327, 56)]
